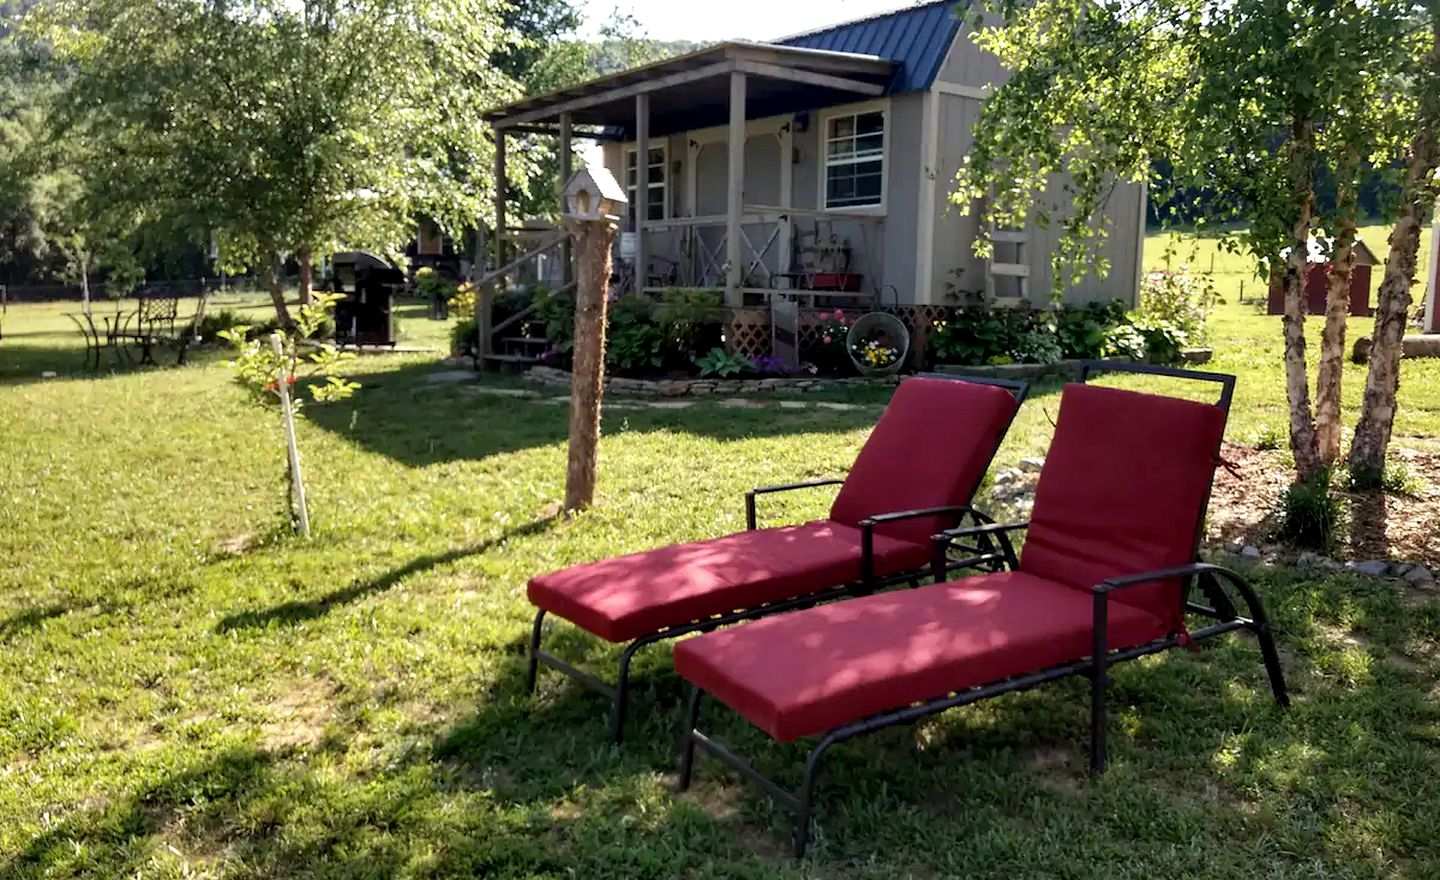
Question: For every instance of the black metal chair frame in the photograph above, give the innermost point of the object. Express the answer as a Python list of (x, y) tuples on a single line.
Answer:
[(993, 538), (619, 693)]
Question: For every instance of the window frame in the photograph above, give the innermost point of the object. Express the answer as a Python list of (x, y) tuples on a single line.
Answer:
[(634, 150), (823, 155)]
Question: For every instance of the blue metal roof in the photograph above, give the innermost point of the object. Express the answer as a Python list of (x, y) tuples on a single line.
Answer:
[(915, 38)]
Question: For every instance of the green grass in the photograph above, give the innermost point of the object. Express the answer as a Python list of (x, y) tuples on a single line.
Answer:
[(186, 691)]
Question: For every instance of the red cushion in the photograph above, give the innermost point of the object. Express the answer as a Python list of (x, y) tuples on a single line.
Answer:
[(810, 671), (929, 449), (1123, 491), (629, 596)]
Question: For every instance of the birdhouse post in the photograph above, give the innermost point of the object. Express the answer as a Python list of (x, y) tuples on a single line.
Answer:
[(594, 203)]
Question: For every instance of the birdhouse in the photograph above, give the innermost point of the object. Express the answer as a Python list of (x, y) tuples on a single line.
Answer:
[(594, 194)]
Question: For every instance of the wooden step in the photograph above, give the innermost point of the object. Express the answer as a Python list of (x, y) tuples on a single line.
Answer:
[(526, 340)]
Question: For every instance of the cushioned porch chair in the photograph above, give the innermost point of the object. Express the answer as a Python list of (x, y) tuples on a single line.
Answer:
[(1105, 576), (915, 475)]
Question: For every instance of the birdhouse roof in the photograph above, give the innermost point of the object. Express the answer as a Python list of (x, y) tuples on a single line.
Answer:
[(596, 180)]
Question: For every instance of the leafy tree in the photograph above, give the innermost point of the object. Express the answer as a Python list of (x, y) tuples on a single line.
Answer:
[(1243, 100), (292, 128)]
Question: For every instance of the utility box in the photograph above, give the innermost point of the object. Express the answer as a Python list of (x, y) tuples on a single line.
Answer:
[(370, 285), (1317, 280)]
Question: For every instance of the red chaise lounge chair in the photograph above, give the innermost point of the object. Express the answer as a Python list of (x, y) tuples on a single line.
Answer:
[(1111, 550), (914, 476)]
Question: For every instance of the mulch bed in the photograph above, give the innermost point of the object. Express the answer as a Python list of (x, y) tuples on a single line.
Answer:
[(1406, 527)]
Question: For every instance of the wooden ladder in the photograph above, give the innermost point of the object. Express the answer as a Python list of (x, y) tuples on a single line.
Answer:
[(1008, 260)]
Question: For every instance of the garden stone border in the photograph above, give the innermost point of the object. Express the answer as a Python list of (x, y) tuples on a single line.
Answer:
[(553, 377)]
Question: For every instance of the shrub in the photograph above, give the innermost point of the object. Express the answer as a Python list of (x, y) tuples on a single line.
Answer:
[(683, 316), (1395, 479), (718, 362), (1269, 437), (431, 284), (463, 337), (1310, 513), (634, 343), (1164, 340), (215, 322), (557, 310), (1179, 299), (1084, 331)]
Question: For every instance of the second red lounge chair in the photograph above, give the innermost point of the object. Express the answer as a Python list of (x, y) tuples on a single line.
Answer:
[(1111, 551), (914, 476)]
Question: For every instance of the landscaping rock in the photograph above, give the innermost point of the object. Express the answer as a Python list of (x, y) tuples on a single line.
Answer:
[(1371, 567), (1309, 560), (1419, 576), (1032, 465), (1250, 551), (794, 404)]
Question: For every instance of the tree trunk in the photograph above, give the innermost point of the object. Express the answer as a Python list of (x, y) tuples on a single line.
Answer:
[(304, 256), (1417, 202), (270, 273), (1297, 380), (593, 241), (1332, 338)]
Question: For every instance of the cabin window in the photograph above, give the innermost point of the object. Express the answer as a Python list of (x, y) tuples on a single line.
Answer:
[(855, 160), (656, 184)]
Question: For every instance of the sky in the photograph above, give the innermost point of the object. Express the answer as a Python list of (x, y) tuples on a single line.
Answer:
[(714, 20)]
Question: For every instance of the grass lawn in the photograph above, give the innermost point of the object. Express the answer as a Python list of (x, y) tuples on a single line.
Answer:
[(185, 691)]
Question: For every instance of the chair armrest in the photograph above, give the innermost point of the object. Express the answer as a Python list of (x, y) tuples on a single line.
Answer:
[(783, 487), (1100, 624), (1160, 574), (868, 524), (939, 565)]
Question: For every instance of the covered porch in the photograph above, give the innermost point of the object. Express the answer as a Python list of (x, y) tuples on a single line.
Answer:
[(743, 233)]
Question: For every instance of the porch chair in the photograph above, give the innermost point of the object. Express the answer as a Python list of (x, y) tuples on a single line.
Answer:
[(1104, 577), (916, 474)]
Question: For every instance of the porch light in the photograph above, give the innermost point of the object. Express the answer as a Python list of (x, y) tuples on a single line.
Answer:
[(594, 194)]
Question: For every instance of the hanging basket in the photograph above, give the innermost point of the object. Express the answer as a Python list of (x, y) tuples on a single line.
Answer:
[(878, 343)]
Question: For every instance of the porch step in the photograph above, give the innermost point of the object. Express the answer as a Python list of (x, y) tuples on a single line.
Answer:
[(526, 340)]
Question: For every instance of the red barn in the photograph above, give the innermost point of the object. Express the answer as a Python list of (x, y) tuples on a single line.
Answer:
[(1317, 279)]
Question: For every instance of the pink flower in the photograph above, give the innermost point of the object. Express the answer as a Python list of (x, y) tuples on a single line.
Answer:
[(824, 316), (828, 340), (839, 315)]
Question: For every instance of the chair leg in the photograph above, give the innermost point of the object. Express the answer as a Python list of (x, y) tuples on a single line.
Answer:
[(687, 741), (622, 691), (1272, 664), (1098, 667), (807, 798), (534, 668)]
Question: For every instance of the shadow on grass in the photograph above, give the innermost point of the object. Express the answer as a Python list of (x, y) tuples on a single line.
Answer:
[(310, 609), (1209, 779), (401, 415), (33, 617)]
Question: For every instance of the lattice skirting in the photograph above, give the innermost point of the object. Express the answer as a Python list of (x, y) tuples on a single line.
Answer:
[(747, 331)]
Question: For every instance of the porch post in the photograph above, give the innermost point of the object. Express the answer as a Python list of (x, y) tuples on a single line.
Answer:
[(499, 197), (640, 203), (567, 161), (787, 195), (735, 192)]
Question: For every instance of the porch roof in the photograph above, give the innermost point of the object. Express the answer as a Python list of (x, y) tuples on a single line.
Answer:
[(692, 91)]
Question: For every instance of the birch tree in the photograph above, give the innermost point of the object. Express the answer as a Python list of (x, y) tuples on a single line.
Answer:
[(1244, 100), (1417, 202)]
